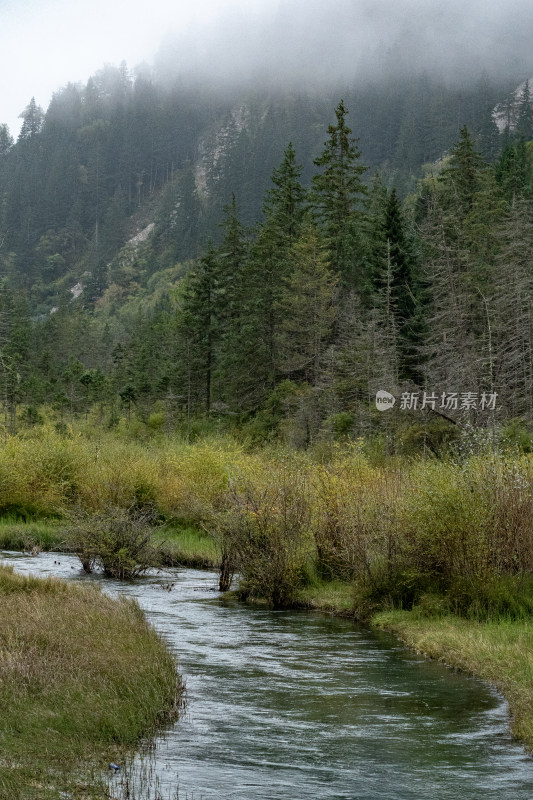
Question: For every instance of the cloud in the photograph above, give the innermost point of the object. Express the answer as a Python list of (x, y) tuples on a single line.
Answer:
[(361, 39), (45, 44)]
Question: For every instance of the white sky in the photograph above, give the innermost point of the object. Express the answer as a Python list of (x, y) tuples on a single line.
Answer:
[(45, 44)]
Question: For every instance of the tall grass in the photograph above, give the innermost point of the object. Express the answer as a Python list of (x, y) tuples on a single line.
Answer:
[(82, 677)]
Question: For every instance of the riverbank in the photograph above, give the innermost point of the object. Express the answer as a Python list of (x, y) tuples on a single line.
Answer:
[(182, 545), (499, 652), (82, 679)]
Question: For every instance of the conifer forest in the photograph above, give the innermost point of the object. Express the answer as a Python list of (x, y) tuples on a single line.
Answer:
[(174, 259)]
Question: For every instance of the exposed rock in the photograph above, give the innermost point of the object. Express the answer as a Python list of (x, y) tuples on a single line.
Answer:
[(142, 236)]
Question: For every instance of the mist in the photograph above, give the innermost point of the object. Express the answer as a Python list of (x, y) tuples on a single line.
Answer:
[(308, 42), (46, 44)]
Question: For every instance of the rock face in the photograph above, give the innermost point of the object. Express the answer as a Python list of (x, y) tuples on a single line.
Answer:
[(506, 113), (142, 236)]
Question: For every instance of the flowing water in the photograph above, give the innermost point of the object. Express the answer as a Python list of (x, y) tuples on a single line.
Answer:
[(299, 705)]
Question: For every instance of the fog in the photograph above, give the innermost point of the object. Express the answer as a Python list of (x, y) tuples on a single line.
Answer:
[(44, 44), (313, 42)]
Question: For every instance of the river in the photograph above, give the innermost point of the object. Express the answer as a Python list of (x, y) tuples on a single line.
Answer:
[(302, 705)]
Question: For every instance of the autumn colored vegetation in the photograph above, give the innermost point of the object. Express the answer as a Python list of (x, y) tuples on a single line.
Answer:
[(453, 533)]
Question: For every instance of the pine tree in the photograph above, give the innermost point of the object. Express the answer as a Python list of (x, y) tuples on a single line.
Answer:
[(234, 296), (307, 308), (283, 206), (270, 259), (198, 326), (6, 141), (462, 172), (32, 121), (403, 290), (524, 125), (514, 171), (337, 195)]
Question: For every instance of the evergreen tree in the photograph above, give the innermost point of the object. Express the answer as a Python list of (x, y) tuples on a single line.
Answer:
[(6, 141), (336, 198), (514, 171), (307, 308), (270, 261), (236, 325), (283, 206), (402, 291), (509, 350), (524, 124), (32, 121), (198, 327), (461, 174)]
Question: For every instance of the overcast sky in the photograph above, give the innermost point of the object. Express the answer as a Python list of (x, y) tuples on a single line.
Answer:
[(44, 44)]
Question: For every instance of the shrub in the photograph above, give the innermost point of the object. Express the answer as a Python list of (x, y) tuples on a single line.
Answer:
[(357, 521), (117, 541), (491, 598), (265, 534)]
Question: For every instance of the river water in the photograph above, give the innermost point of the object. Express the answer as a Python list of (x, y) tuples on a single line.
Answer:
[(301, 705)]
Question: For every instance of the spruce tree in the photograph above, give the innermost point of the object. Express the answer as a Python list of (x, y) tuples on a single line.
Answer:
[(461, 174), (337, 196), (198, 324), (524, 125), (400, 278), (307, 308), (284, 210)]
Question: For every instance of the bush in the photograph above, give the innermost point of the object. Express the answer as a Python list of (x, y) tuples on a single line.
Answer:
[(265, 535), (117, 541), (492, 598), (357, 521)]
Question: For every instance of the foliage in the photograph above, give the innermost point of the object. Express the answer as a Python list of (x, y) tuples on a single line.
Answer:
[(265, 535), (118, 541)]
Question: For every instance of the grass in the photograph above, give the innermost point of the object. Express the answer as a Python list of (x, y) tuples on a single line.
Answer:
[(185, 546), (82, 678), (16, 534), (500, 652), (335, 597), (188, 547), (457, 531)]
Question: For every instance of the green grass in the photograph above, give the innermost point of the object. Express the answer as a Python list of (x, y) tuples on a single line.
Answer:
[(184, 545), (500, 652), (335, 597), (188, 547), (82, 678), (16, 534)]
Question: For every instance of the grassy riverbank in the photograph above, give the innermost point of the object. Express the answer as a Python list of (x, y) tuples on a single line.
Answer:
[(500, 652), (182, 546), (187, 547), (82, 678)]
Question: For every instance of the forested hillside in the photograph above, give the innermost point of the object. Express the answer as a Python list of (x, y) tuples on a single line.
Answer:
[(175, 258)]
